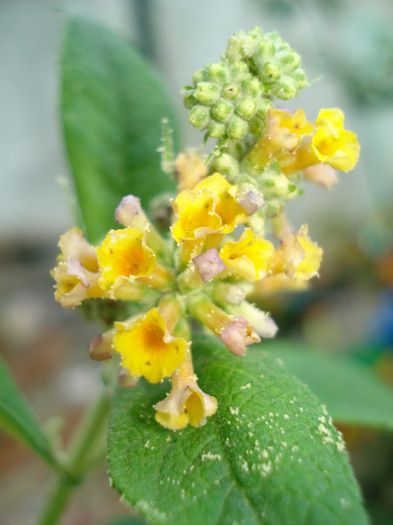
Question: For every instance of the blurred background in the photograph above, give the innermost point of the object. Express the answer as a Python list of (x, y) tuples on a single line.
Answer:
[(347, 52)]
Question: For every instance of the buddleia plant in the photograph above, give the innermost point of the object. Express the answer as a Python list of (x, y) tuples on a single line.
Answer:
[(205, 426)]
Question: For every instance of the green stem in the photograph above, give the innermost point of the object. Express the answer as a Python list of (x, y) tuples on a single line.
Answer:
[(82, 447)]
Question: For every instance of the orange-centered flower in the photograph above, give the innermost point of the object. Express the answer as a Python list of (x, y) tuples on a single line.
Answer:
[(207, 209), (124, 255), (147, 348)]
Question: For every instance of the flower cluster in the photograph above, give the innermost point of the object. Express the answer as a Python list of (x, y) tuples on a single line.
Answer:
[(228, 237)]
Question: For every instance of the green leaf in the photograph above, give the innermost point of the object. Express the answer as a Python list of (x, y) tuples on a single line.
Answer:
[(17, 418), (352, 393), (270, 454), (112, 103)]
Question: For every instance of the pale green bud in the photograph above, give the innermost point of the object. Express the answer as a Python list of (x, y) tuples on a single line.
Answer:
[(246, 108), (256, 125), (207, 92), (216, 130), (277, 185), (273, 208), (236, 128), (199, 76), (227, 165), (286, 88), (289, 61), (269, 71), (189, 100), (218, 72), (199, 116), (263, 106), (239, 71), (222, 110), (232, 91), (253, 87)]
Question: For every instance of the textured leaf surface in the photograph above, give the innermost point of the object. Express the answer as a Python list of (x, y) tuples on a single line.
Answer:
[(17, 418), (270, 454), (352, 393), (112, 103)]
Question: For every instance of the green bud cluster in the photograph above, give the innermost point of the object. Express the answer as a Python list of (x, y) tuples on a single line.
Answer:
[(226, 100), (271, 60), (230, 98)]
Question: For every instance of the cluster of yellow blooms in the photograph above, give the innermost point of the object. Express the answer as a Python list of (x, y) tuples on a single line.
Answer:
[(216, 253)]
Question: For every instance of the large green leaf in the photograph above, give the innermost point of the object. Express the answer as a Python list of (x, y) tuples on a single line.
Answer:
[(351, 392), (270, 454), (112, 103), (17, 418)]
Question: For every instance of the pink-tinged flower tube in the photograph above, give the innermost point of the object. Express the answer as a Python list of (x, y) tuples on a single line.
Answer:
[(77, 272), (322, 174), (187, 403), (235, 333), (209, 264), (238, 334)]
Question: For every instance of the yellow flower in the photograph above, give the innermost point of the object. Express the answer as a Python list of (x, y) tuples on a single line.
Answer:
[(195, 215), (123, 255), (147, 348), (284, 132), (207, 209), (248, 257), (187, 403), (76, 272), (333, 144), (298, 256), (230, 212)]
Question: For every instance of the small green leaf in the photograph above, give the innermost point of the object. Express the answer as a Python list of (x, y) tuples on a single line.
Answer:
[(112, 103), (17, 418), (351, 392), (270, 454)]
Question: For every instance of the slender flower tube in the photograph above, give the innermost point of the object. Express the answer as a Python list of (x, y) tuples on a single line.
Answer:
[(236, 334), (186, 403)]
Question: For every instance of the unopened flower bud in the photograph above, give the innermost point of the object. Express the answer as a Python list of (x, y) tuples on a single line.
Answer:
[(237, 335), (100, 347), (199, 116), (218, 72), (236, 128), (227, 165), (209, 264), (250, 199), (207, 92), (246, 108), (222, 110), (130, 213)]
